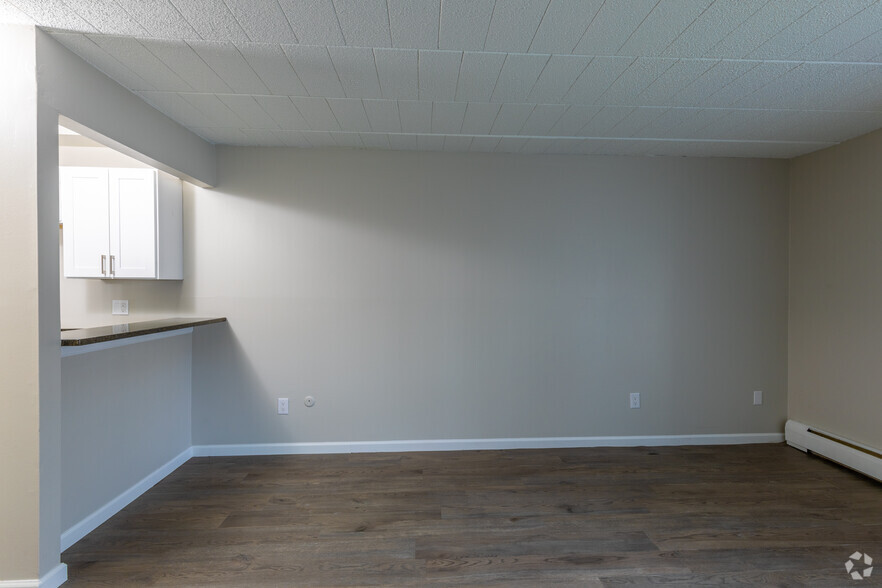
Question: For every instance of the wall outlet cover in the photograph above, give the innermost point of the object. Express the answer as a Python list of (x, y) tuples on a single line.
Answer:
[(120, 307), (635, 399), (757, 397), (283, 406)]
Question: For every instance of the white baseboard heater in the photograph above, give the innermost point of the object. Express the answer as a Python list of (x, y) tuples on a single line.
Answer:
[(850, 454)]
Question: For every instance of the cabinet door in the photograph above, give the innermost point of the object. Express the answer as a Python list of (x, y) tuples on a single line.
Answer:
[(84, 206), (133, 223)]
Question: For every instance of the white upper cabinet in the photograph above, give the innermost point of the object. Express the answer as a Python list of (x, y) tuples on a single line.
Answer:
[(121, 223)]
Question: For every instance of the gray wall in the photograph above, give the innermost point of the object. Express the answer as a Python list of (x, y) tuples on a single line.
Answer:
[(125, 413), (836, 289), (445, 296)]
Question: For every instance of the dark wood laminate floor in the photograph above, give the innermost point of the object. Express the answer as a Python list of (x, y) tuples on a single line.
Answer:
[(756, 514)]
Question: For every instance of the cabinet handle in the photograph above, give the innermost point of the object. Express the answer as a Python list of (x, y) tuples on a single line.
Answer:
[(103, 261), (112, 270)]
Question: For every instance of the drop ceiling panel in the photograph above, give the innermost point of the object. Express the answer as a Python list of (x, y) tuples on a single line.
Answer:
[(262, 20), (357, 71), (350, 114), (211, 19), (365, 23), (383, 115), (414, 24), (176, 108), (415, 116), (711, 27), (558, 77), (513, 24), (447, 117), (600, 74), (228, 63), (314, 68), (159, 18), (54, 15), (641, 74), (464, 24), (612, 26), (314, 22), (398, 71), (574, 119), (316, 113), (479, 118), (186, 63), (271, 65), (477, 76), (438, 72), (100, 59), (213, 109), (139, 60), (511, 119), (108, 17), (759, 27), (247, 109), (518, 76), (283, 112), (842, 37), (563, 25), (672, 80), (542, 119)]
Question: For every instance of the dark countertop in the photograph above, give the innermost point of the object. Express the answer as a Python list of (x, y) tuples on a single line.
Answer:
[(123, 331)]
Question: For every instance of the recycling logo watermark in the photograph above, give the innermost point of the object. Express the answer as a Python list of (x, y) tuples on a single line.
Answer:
[(854, 561)]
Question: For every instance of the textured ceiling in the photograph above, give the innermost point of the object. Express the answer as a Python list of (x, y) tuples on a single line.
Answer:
[(763, 78)]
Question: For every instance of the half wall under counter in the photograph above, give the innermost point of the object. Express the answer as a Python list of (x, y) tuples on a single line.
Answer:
[(77, 341)]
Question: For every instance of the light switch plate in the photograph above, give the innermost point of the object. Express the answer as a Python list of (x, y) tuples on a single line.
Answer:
[(120, 307)]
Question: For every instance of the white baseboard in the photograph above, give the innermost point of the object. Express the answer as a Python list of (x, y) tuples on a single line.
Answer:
[(476, 444), (91, 522), (55, 578)]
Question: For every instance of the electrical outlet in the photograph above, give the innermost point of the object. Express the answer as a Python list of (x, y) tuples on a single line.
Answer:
[(120, 307), (757, 397), (283, 406), (635, 399)]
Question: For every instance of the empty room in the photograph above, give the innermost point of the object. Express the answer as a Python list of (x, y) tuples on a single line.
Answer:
[(440, 292)]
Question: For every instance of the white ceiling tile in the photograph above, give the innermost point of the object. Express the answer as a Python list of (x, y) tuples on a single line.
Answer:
[(511, 119), (9, 14), (477, 76), (867, 49), (383, 115), (760, 27), (416, 116), (211, 19), (642, 73), (720, 19), (430, 142), (844, 36), (262, 20), (542, 119), (317, 113), (107, 16), (365, 23), (54, 15), (464, 24), (438, 72), (176, 108), (228, 63), (484, 144), (479, 117), (513, 24), (603, 122), (668, 19), (633, 124), (349, 140), (699, 120), (314, 68), (558, 77), (350, 114), (670, 119), (283, 111), (574, 119), (403, 142), (456, 143), (511, 144), (137, 58), (414, 23), (294, 138), (375, 140), (518, 76), (314, 22), (103, 61), (718, 76), (612, 25), (221, 135), (182, 60), (271, 65), (248, 110), (596, 78), (398, 73), (159, 18), (357, 71), (809, 27), (447, 117), (563, 25), (213, 109), (751, 82), (682, 73)]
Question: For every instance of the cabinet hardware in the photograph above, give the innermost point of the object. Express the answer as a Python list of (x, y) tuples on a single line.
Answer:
[(112, 270), (103, 260)]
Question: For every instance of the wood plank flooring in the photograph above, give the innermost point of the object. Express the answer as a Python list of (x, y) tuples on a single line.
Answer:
[(764, 515)]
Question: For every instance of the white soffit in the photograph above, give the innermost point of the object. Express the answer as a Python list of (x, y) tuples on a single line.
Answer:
[(742, 78)]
